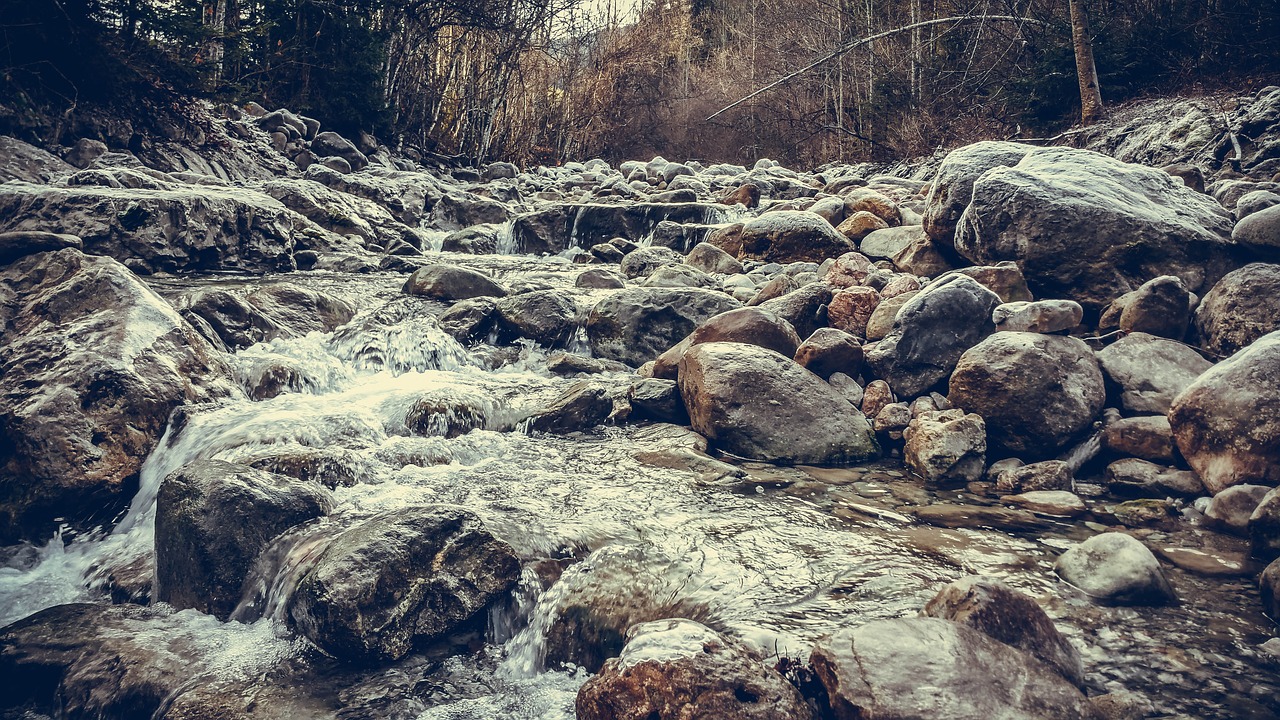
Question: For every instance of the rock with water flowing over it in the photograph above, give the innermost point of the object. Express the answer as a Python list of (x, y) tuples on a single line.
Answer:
[(274, 311), (1041, 316), (952, 189), (754, 403), (914, 668), (582, 406), (1150, 371), (636, 325), (1117, 569), (930, 333), (450, 282), (547, 317), (122, 661), (398, 578), (792, 235), (947, 446), (829, 351), (212, 520), (682, 670), (166, 226), (93, 362), (751, 325), (988, 605), (1242, 307), (1036, 392), (1089, 228), (1227, 422)]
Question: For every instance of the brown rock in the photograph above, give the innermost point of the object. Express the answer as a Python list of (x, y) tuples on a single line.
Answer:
[(851, 309)]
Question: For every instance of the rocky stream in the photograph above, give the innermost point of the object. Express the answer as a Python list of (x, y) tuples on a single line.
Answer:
[(298, 427)]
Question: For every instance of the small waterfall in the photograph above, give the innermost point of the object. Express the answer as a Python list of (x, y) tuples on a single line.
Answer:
[(278, 570), (506, 240)]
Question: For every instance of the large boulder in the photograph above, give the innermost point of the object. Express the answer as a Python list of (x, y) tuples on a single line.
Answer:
[(1117, 569), (299, 310), (1150, 371), (752, 325), (1090, 228), (93, 364), (1036, 392), (400, 577), (755, 403), (682, 670), (212, 520), (1242, 307), (805, 307), (167, 227), (989, 605), (274, 311), (636, 325), (952, 188), (917, 668), (548, 317), (1227, 422), (643, 262), (931, 331), (450, 283), (947, 446), (787, 236)]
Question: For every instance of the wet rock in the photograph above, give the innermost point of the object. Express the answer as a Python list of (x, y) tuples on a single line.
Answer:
[(1089, 228), (849, 270), (330, 467), (566, 363), (657, 400), (1269, 584), (547, 317), (235, 321), (470, 319), (1043, 316), (1264, 527), (599, 279), (582, 406), (1038, 476), (1115, 568), (711, 259), (93, 362), (1227, 422), (400, 577), (556, 228), (881, 321), (1259, 230), (296, 311), (642, 262), (1036, 392), (829, 351), (475, 240), (851, 309), (1149, 437), (450, 283), (790, 235), (933, 668), (1230, 509), (1242, 307), (978, 516), (886, 243), (992, 607), (757, 404), (636, 325), (212, 520), (1150, 371), (805, 308), (1133, 476), (682, 670), (952, 189), (1057, 503), (946, 446), (446, 414), (751, 325), (1161, 307), (14, 245), (930, 333)]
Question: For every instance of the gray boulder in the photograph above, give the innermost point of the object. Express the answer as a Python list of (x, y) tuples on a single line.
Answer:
[(450, 283), (930, 332), (711, 259), (1259, 230), (398, 578), (331, 143), (792, 235), (212, 520), (1242, 307), (1036, 392), (1227, 422), (952, 188), (946, 446), (1090, 228), (1115, 568), (1149, 371), (642, 262), (548, 317), (755, 403), (15, 245), (636, 325), (916, 668)]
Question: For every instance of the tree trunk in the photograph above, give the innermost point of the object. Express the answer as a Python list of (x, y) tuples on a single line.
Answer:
[(1091, 110)]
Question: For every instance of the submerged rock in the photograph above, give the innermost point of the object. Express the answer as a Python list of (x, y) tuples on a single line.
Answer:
[(398, 578), (755, 403), (94, 362), (915, 668), (681, 670), (1115, 568)]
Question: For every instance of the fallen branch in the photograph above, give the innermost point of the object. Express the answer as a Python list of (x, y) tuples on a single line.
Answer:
[(872, 38)]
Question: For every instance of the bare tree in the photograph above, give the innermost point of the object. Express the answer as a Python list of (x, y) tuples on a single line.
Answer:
[(1091, 109)]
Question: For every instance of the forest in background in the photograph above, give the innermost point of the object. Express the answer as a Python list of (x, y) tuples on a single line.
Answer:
[(548, 80)]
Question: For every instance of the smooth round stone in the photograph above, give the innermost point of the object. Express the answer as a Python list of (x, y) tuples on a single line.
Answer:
[(1040, 316), (1059, 503)]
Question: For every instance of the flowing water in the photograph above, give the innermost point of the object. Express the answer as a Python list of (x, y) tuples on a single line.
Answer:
[(630, 515)]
